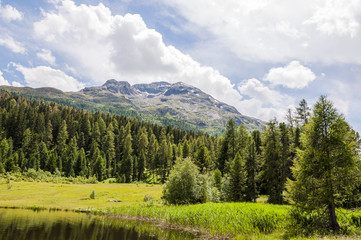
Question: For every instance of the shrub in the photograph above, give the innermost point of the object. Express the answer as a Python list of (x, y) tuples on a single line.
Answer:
[(182, 186), (92, 195)]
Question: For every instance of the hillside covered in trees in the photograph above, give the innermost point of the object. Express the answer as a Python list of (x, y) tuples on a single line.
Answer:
[(35, 134), (284, 161)]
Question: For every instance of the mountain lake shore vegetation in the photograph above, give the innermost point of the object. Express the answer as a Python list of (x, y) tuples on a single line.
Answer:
[(293, 180)]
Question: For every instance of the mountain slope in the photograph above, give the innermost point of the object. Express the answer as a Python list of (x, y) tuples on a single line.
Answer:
[(179, 105)]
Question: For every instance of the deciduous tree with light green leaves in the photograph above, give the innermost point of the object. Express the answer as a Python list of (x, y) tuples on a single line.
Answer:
[(327, 169)]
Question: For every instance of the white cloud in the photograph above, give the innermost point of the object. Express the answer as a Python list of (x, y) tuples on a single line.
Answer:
[(100, 46), (10, 43), (2, 80), (16, 84), (277, 30), (9, 13), (43, 76), (47, 56), (293, 75), (337, 17), (263, 102)]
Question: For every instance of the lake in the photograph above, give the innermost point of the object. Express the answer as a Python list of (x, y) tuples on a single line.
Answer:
[(22, 224)]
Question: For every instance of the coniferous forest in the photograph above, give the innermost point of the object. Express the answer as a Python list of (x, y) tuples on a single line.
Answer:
[(311, 161)]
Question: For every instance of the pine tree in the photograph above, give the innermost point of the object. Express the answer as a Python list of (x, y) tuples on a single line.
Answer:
[(126, 168), (109, 149), (186, 149), (100, 168), (272, 168), (82, 162), (143, 151), (230, 138), (303, 112), (202, 159), (61, 141), (327, 169), (44, 155), (237, 178), (243, 141), (70, 158), (163, 155), (34, 158), (152, 154), (252, 172)]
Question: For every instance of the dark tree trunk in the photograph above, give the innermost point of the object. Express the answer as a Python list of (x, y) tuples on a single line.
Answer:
[(333, 220)]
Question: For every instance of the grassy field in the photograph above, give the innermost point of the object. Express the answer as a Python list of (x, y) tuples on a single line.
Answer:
[(74, 196), (239, 220)]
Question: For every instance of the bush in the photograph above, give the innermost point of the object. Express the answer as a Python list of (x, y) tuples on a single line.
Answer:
[(183, 186), (92, 195)]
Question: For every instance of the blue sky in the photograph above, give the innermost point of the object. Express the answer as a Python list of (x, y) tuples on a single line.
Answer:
[(260, 56)]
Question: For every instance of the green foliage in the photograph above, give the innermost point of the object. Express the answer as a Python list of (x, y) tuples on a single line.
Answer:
[(182, 186), (237, 178), (217, 176), (327, 170), (276, 156), (92, 195), (31, 175), (48, 136)]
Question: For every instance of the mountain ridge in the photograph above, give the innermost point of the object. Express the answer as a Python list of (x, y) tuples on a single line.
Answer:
[(175, 104)]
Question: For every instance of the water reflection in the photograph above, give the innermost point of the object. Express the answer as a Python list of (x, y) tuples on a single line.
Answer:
[(19, 224)]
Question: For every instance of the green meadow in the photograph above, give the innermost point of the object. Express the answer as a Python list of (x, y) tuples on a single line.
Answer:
[(231, 220), (74, 196)]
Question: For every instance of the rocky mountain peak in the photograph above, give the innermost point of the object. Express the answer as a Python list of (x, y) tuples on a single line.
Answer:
[(180, 88), (153, 88), (119, 87)]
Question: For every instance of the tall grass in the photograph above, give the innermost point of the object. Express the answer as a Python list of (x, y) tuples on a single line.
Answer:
[(216, 218)]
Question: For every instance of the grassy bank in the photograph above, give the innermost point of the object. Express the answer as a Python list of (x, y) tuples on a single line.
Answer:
[(240, 220), (228, 219)]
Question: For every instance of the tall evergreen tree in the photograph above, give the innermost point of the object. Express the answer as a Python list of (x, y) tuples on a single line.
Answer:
[(272, 167), (327, 169), (109, 150), (252, 172), (202, 159), (126, 164), (237, 178), (303, 112), (143, 151)]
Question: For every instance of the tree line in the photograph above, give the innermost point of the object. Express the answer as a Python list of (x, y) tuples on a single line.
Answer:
[(312, 158), (36, 134), (312, 162)]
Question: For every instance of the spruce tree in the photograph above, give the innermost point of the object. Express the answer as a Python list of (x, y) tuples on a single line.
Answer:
[(303, 113), (252, 172), (126, 168), (327, 168), (272, 167), (237, 178), (202, 159)]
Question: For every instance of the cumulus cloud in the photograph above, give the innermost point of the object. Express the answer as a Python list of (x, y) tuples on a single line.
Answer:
[(10, 43), (9, 13), (16, 84), (276, 30), (47, 56), (263, 101), (43, 76), (2, 80), (337, 18), (293, 75), (99, 46)]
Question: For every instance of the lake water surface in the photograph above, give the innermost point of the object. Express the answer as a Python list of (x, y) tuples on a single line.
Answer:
[(22, 224)]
